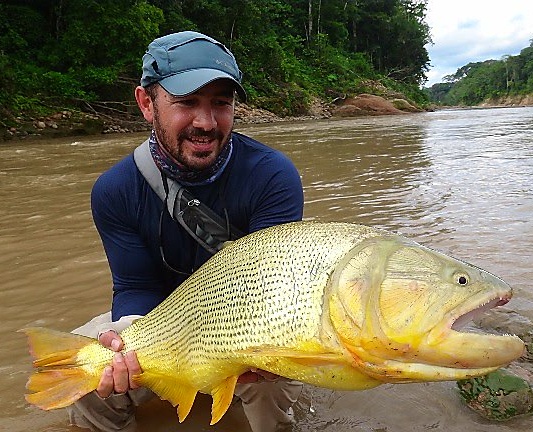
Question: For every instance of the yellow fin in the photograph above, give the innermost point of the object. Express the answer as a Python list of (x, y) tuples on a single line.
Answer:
[(59, 388), (222, 396), (52, 347), (308, 358), (169, 388), (60, 381)]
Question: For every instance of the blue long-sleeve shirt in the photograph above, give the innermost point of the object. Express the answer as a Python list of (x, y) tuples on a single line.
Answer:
[(260, 188)]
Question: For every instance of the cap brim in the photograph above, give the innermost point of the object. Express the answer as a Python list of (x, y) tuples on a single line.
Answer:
[(185, 83)]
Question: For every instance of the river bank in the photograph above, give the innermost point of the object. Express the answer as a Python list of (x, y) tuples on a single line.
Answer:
[(73, 122), (107, 120)]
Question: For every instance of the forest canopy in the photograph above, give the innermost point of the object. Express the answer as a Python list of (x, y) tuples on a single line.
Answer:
[(57, 52), (488, 80)]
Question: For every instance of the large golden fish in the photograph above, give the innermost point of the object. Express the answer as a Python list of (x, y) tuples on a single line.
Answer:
[(335, 305)]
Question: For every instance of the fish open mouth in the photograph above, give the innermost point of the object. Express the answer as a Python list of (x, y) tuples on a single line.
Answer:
[(466, 349), (462, 320), (451, 353)]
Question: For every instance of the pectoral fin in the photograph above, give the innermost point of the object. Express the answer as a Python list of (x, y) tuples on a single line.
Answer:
[(171, 389), (222, 396), (303, 356)]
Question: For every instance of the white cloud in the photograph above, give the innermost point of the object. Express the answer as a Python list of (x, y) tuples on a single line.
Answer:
[(465, 31)]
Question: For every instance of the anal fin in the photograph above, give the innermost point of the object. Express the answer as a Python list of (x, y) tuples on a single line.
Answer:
[(167, 387), (222, 396)]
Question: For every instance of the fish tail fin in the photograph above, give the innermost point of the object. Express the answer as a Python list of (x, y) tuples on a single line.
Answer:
[(222, 396), (59, 379)]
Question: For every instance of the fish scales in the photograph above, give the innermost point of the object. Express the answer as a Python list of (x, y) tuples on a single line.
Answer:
[(337, 305), (271, 303)]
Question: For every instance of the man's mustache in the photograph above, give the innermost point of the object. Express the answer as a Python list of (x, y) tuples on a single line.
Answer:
[(214, 134)]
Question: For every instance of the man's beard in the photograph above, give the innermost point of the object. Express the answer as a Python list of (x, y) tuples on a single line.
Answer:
[(190, 133)]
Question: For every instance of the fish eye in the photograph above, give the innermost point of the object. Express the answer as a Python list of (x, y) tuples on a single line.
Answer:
[(461, 279)]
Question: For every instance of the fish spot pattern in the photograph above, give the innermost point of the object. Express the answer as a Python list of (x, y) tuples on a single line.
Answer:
[(247, 296)]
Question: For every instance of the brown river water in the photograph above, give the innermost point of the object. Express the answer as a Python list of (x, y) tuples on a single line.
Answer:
[(458, 181)]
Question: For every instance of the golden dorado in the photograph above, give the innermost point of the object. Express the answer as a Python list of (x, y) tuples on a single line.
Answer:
[(335, 305)]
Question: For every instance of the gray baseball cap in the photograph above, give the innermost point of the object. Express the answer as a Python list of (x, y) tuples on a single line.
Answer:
[(184, 62)]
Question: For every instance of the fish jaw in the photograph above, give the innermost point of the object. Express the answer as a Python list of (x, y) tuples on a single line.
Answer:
[(443, 353), (446, 354), (468, 349), (392, 371)]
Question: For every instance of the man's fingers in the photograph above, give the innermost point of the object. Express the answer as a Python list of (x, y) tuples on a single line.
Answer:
[(266, 375), (105, 386), (111, 339), (256, 375), (117, 378), (248, 377), (120, 374), (134, 368)]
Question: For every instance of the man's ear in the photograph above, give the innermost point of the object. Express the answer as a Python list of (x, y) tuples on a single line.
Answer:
[(145, 103)]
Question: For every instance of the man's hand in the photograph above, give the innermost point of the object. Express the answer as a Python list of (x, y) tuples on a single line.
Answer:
[(257, 375), (117, 378)]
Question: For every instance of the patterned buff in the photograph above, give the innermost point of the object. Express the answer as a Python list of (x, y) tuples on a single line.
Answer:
[(176, 171)]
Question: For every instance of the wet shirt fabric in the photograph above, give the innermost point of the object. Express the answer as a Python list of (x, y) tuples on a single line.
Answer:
[(260, 187)]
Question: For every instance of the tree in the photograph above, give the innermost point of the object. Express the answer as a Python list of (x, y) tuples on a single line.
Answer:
[(394, 34), (289, 50), (490, 79)]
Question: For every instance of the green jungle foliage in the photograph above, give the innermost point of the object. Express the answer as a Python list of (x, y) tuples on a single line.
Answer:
[(489, 80), (57, 53)]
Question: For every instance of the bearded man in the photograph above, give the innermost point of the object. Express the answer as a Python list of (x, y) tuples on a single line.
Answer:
[(187, 93)]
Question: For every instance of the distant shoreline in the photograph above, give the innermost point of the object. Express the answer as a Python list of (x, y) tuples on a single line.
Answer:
[(70, 123)]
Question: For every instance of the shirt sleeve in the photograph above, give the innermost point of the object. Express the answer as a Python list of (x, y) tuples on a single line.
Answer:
[(138, 285), (281, 198)]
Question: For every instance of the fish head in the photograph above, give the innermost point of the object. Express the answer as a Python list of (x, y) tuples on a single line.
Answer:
[(399, 308)]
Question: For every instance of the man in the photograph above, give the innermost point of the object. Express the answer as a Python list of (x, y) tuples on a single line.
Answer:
[(187, 93)]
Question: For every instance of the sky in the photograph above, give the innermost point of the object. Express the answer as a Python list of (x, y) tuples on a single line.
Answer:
[(465, 31)]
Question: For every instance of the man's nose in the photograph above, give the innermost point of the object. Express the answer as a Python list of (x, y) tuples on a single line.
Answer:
[(204, 118)]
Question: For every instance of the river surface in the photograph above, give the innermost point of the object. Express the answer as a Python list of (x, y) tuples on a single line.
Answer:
[(458, 181)]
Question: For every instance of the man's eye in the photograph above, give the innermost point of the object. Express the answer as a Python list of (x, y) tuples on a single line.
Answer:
[(224, 102), (185, 102)]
